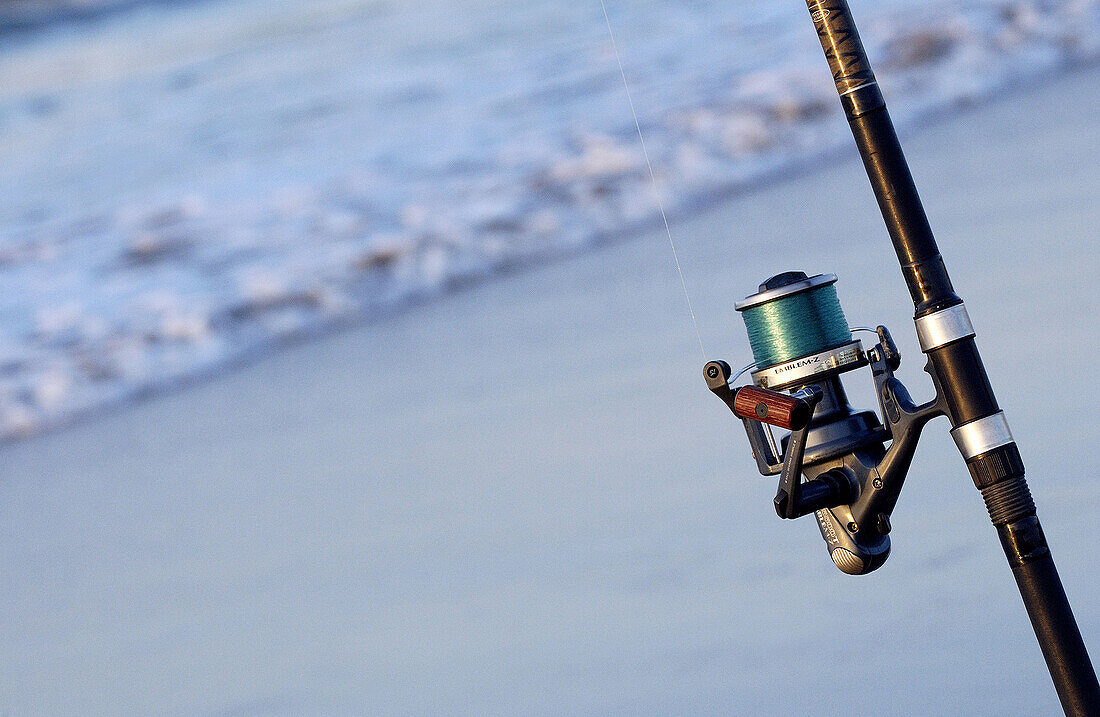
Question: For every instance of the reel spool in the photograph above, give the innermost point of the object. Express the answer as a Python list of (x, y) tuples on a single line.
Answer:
[(834, 463), (793, 317)]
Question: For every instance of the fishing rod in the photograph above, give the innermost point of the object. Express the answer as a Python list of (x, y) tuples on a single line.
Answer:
[(835, 463)]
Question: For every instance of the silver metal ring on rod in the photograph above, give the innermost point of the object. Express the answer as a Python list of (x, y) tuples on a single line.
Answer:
[(943, 327), (983, 435)]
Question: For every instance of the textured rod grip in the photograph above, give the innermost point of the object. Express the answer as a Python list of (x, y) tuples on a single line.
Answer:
[(778, 409)]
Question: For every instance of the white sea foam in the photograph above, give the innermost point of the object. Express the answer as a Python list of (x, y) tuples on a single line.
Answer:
[(186, 186)]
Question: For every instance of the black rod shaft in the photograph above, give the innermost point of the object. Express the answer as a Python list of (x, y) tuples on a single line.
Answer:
[(960, 375)]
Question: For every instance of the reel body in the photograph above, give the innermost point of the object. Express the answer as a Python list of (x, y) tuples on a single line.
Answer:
[(845, 466)]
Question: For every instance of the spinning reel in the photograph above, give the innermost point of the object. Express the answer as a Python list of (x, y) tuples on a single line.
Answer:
[(834, 463)]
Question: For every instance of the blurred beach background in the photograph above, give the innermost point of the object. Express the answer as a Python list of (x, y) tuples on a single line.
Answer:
[(345, 367)]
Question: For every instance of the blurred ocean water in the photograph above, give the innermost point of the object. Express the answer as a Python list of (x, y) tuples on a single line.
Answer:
[(184, 185), (32, 14)]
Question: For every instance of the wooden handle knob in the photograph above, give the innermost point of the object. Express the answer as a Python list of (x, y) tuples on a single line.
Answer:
[(778, 409)]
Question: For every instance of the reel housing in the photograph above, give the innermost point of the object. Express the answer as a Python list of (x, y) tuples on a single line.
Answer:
[(835, 462)]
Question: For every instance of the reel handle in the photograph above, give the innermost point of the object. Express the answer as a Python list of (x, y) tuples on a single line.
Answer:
[(777, 409), (757, 404)]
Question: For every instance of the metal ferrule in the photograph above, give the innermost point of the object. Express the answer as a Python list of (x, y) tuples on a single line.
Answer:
[(796, 372), (943, 327), (982, 435)]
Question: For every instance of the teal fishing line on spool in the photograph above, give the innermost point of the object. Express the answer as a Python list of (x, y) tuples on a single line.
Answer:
[(801, 324)]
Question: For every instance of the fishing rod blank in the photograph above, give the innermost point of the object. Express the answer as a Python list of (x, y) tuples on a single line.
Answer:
[(835, 462), (947, 337)]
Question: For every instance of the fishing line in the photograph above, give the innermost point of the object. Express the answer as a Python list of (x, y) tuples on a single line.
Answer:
[(653, 181), (796, 325)]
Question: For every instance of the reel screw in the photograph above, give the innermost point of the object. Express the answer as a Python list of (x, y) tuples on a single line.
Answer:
[(877, 483), (853, 527), (712, 372)]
